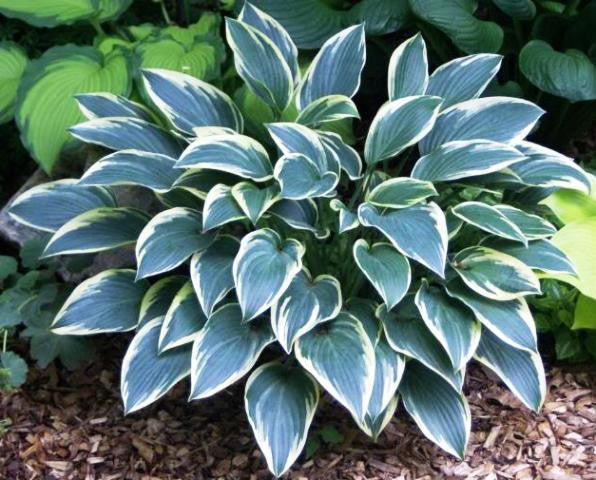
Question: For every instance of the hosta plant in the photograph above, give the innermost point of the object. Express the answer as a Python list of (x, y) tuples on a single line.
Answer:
[(374, 274)]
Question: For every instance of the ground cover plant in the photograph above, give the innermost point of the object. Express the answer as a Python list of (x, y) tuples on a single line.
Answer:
[(374, 272)]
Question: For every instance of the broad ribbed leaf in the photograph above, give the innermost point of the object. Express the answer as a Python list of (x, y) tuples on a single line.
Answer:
[(400, 192), (254, 201), (148, 375), (456, 20), (349, 159), (120, 133), (398, 125), (158, 298), (408, 334), (348, 220), (107, 302), (304, 304), (518, 9), (230, 153), (50, 205), (342, 359), (452, 324), (467, 158), (511, 321), (571, 75), (46, 107), (408, 69), (463, 78), (532, 226), (50, 13), (539, 255), (220, 207), (406, 227), (500, 119), (263, 269), (14, 61), (211, 271), (280, 403), (300, 178), (442, 414), (522, 371), (293, 138), (97, 230), (169, 239), (133, 167), (183, 319), (189, 102), (328, 109), (387, 270), (100, 105), (336, 68), (225, 350), (260, 63), (489, 219)]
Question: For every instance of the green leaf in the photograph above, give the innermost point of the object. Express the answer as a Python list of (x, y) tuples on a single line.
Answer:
[(183, 320), (158, 298), (500, 119), (133, 167), (108, 302), (570, 75), (572, 205), (452, 324), (348, 220), (188, 102), (400, 192), (494, 274), (584, 317), (441, 413), (328, 109), (50, 205), (379, 16), (463, 78), (254, 201), (510, 320), (220, 208), (336, 68), (407, 334), (8, 266), (342, 359), (260, 63), (462, 159), (46, 106), (230, 153), (518, 9), (225, 350), (456, 20), (398, 125), (299, 177), (169, 239), (97, 230), (387, 270), (17, 368), (408, 69), (489, 219), (48, 13), (280, 403), (405, 227), (521, 370), (263, 270), (304, 304), (14, 61), (147, 375), (101, 105)]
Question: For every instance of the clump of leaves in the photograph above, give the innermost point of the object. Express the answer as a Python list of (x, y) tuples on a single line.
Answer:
[(375, 285)]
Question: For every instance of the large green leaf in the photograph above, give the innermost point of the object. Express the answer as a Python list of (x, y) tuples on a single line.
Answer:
[(456, 20), (46, 106), (452, 324), (441, 413), (14, 61), (571, 75), (107, 302), (158, 298), (583, 317), (225, 350), (518, 9), (304, 304), (489, 219), (280, 404), (263, 270), (97, 230), (169, 239), (341, 357), (147, 374), (50, 205), (405, 227), (572, 205), (408, 69)]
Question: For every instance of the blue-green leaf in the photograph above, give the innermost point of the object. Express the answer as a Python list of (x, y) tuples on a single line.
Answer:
[(158, 298), (489, 219), (298, 214), (220, 208), (328, 109), (104, 104), (254, 201), (400, 192), (408, 69), (532, 226), (293, 138), (349, 159), (300, 178), (348, 220)]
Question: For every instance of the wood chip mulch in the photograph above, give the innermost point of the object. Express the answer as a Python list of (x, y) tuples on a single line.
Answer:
[(67, 426)]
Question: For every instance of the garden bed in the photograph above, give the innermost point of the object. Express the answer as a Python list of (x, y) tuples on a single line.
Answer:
[(71, 426)]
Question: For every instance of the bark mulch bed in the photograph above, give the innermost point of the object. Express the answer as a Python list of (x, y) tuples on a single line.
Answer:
[(70, 426)]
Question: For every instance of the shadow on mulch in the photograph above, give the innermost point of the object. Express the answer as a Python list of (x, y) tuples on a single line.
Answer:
[(66, 425)]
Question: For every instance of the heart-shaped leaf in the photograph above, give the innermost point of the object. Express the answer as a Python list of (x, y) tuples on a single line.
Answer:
[(254, 201)]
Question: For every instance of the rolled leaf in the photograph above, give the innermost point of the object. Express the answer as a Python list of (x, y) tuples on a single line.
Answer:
[(489, 219), (400, 192), (328, 109), (158, 298), (254, 201), (408, 69), (348, 220), (349, 159)]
